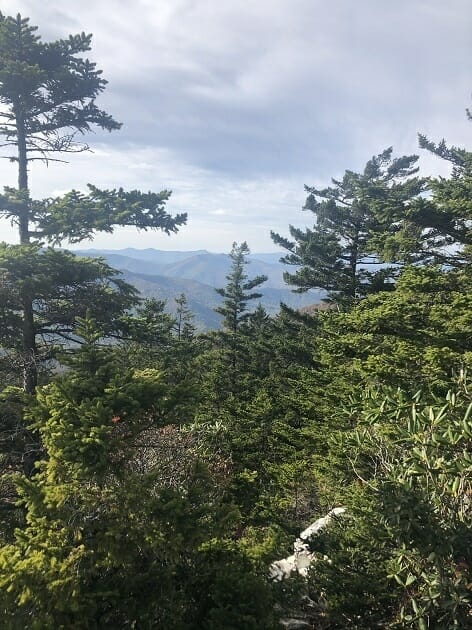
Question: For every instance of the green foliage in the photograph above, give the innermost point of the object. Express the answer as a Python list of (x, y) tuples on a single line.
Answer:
[(153, 338), (48, 94), (49, 86), (151, 324), (18, 450), (229, 594), (416, 336), (267, 426), (338, 252), (226, 349), (350, 576), (238, 291), (183, 327), (110, 541), (60, 288), (403, 559), (77, 216), (152, 481), (445, 216)]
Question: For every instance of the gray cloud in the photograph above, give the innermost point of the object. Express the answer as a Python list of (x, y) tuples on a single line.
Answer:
[(239, 100)]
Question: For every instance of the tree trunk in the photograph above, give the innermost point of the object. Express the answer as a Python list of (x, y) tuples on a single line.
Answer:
[(22, 174), (29, 347), (355, 285), (29, 337)]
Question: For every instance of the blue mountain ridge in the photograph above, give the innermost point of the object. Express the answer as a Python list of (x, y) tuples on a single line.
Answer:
[(167, 274)]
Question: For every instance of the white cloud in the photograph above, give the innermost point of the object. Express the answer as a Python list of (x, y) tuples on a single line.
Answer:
[(235, 105)]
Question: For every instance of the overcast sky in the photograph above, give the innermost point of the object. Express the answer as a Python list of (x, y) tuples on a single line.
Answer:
[(234, 105)]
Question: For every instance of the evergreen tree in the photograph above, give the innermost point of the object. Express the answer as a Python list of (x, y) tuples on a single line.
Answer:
[(151, 325), (338, 253), (439, 221), (183, 327), (415, 337), (48, 93), (226, 347), (117, 534), (238, 290), (61, 287), (186, 346), (156, 338), (446, 214)]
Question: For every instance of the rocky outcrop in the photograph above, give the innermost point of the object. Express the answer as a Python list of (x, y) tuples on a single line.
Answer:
[(302, 557)]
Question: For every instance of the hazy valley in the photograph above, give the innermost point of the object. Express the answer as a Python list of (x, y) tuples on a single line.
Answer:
[(168, 274)]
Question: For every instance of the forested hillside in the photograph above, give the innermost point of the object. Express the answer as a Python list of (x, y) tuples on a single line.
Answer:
[(151, 474), (164, 275)]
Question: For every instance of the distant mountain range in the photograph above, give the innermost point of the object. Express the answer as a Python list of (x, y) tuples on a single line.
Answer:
[(167, 274)]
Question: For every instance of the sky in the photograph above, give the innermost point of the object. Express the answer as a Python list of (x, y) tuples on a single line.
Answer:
[(235, 106)]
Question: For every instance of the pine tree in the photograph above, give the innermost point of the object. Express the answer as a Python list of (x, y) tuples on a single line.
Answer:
[(234, 310), (151, 325)]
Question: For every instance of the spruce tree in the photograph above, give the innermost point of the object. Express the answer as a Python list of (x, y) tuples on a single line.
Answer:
[(62, 288), (124, 526), (48, 94), (234, 310), (445, 216), (238, 290), (341, 253), (184, 328)]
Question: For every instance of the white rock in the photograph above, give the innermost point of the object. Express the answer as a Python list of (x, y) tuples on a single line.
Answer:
[(302, 557)]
